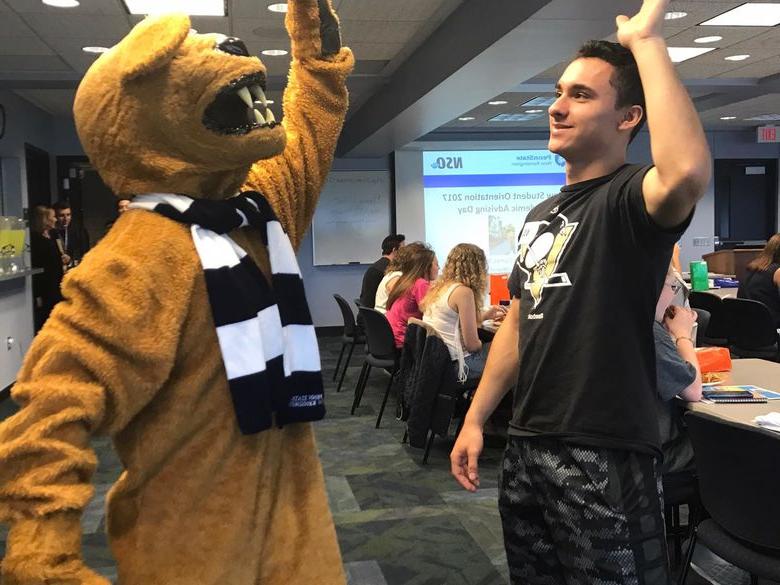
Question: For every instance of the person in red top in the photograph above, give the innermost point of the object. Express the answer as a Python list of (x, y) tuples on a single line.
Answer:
[(404, 300)]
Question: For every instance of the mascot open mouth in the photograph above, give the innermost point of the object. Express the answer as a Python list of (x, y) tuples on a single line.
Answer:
[(240, 107)]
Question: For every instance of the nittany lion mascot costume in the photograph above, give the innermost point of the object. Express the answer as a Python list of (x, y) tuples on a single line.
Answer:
[(185, 335)]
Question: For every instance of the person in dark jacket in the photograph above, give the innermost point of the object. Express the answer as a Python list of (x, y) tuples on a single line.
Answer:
[(376, 271), (762, 282), (48, 253), (74, 237)]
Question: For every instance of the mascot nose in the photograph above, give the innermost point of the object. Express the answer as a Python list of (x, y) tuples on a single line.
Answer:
[(234, 46)]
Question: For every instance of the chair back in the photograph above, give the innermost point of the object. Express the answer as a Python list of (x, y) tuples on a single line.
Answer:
[(739, 474), (750, 325), (350, 328), (703, 321), (379, 335), (717, 328)]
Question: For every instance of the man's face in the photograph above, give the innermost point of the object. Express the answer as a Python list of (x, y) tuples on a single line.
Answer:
[(63, 217), (122, 205), (583, 119)]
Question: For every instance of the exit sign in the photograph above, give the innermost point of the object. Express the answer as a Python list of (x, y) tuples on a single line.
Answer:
[(768, 134)]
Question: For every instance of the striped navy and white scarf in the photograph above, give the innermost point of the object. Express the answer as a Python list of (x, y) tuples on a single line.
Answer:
[(265, 333)]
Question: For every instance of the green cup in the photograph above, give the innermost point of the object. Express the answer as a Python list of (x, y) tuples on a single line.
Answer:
[(699, 275)]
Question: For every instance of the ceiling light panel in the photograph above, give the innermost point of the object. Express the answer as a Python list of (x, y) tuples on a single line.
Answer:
[(191, 7), (712, 39), (514, 117), (750, 14), (61, 3), (539, 102), (680, 54), (675, 15)]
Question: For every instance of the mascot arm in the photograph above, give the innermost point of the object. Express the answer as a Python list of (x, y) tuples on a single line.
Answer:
[(103, 354), (315, 103)]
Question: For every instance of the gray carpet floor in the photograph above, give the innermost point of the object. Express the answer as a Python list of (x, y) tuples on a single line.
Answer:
[(399, 522)]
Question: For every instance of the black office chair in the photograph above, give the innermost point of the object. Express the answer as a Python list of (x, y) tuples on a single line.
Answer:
[(739, 472), (751, 330), (716, 332), (703, 322), (380, 353), (351, 336)]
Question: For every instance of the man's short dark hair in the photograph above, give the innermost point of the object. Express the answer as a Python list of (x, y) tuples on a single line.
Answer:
[(60, 205), (625, 79), (391, 243)]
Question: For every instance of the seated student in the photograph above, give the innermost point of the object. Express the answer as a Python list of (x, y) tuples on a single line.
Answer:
[(762, 282), (405, 297), (390, 247), (677, 373), (397, 266), (452, 307)]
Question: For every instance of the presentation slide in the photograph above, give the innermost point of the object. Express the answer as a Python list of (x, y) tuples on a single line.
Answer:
[(482, 197)]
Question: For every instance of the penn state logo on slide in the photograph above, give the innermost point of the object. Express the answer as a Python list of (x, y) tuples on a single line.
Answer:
[(541, 245)]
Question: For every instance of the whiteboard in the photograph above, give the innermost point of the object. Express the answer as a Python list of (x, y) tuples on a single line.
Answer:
[(352, 218)]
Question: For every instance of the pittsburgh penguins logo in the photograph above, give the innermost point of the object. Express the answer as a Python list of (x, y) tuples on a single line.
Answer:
[(541, 245)]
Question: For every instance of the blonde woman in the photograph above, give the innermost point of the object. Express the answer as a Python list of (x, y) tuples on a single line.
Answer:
[(452, 307)]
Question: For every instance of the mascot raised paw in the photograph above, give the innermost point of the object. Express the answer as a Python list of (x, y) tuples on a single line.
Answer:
[(185, 335)]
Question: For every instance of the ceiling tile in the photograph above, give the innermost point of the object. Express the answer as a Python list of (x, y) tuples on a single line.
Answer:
[(78, 25), (382, 10), (764, 68), (373, 31), (211, 24), (731, 35), (58, 102), (13, 26), (32, 63), (374, 51), (85, 7), (23, 46)]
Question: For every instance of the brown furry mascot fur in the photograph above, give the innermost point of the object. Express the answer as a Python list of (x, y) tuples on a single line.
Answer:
[(132, 351)]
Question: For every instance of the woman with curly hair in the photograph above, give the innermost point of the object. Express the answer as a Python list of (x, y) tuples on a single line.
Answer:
[(420, 267), (452, 307)]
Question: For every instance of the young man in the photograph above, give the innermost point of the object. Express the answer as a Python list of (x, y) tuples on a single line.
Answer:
[(376, 271), (580, 495), (75, 239)]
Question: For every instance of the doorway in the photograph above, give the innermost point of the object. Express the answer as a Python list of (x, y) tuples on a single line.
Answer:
[(745, 201)]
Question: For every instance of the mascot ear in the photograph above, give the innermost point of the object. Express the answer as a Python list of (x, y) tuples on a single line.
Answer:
[(151, 44)]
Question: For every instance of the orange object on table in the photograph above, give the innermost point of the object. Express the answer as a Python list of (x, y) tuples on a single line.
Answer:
[(499, 289), (714, 359)]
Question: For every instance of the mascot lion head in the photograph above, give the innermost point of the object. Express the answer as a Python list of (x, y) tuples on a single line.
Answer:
[(166, 110)]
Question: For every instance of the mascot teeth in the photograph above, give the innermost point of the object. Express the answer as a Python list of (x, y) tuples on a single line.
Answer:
[(244, 94), (258, 117), (258, 94), (269, 117)]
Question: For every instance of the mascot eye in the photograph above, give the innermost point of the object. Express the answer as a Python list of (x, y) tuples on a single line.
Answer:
[(233, 46)]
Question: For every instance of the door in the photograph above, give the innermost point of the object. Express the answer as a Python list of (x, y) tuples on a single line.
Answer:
[(745, 200)]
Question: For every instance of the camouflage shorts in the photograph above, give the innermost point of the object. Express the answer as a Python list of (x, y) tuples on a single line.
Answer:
[(577, 515)]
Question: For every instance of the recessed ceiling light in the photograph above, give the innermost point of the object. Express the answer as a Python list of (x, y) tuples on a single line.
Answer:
[(498, 103), (712, 39), (534, 111), (274, 52), (282, 7), (680, 54), (675, 15), (728, 117), (269, 101), (61, 3), (94, 49), (737, 57), (466, 118), (191, 7), (750, 14)]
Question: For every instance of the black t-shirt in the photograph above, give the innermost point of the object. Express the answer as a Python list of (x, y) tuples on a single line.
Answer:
[(371, 280), (759, 285), (589, 271)]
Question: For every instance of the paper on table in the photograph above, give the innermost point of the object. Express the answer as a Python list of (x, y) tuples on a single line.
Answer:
[(769, 421)]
